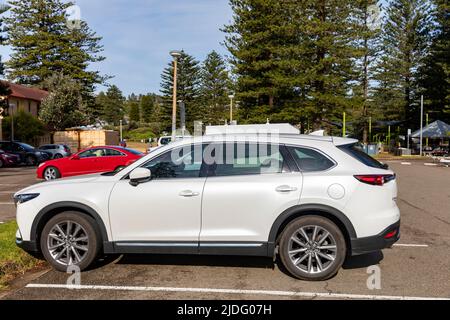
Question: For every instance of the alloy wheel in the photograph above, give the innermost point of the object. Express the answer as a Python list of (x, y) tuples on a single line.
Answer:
[(312, 249), (68, 243), (50, 174)]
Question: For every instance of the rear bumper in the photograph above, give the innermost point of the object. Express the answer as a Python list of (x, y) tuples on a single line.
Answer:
[(375, 243)]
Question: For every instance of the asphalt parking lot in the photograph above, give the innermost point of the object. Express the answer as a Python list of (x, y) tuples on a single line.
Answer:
[(419, 266)]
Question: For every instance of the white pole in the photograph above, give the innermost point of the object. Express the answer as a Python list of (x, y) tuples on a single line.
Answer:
[(421, 124), (121, 136)]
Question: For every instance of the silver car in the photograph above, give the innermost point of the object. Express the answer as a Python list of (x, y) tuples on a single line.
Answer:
[(56, 151)]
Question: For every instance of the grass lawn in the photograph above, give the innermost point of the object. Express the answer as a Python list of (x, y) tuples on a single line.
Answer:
[(13, 260)]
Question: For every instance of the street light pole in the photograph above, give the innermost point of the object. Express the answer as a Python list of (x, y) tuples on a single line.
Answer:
[(421, 124), (231, 96), (175, 55)]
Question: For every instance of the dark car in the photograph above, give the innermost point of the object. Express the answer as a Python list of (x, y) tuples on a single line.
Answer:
[(27, 154), (57, 151), (440, 152), (8, 159)]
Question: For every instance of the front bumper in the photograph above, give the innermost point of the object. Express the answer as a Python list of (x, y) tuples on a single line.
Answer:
[(375, 243), (28, 246)]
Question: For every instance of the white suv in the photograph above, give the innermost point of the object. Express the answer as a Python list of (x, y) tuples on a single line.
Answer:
[(311, 200)]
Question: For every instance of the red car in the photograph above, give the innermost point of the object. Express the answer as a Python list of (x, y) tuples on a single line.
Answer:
[(91, 160), (8, 159)]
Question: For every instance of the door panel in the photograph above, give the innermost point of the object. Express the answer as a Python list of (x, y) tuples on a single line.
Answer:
[(157, 210), (167, 208), (244, 207)]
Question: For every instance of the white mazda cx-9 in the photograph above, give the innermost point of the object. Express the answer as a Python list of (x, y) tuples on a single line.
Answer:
[(313, 201)]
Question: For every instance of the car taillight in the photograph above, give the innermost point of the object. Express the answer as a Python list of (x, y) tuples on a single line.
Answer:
[(375, 179)]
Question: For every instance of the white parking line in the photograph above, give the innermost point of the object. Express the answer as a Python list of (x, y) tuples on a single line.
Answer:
[(406, 163), (430, 164), (411, 245), (232, 291), (7, 203)]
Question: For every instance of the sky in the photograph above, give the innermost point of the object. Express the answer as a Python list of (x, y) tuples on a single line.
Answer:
[(139, 34)]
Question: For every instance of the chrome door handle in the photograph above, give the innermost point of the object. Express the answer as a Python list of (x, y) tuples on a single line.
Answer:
[(285, 189), (189, 193)]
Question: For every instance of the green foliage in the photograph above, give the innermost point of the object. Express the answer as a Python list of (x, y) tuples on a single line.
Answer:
[(13, 260), (26, 126), (111, 105), (214, 89), (147, 108), (42, 44), (435, 73), (187, 90), (139, 134), (64, 107), (406, 38), (132, 106)]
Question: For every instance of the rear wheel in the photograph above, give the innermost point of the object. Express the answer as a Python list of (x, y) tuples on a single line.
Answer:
[(70, 238), (57, 156), (51, 173), (312, 248), (1, 163)]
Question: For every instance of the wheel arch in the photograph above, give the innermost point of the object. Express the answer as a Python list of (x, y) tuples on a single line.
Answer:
[(54, 209), (336, 216)]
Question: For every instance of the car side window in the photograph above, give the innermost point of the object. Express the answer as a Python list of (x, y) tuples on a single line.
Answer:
[(247, 159), (177, 163), (113, 153), (309, 160), (92, 153)]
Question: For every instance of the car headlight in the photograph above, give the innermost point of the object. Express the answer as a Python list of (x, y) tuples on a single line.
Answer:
[(22, 198)]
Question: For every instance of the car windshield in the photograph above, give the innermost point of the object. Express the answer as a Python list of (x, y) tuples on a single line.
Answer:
[(356, 151), (26, 146)]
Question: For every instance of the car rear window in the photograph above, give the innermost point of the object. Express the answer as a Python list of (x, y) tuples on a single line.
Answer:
[(356, 151)]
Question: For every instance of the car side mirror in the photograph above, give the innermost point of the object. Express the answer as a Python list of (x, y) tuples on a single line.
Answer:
[(140, 175), (385, 166), (75, 157)]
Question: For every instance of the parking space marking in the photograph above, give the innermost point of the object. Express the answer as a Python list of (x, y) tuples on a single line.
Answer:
[(232, 291), (411, 245), (7, 203), (406, 163), (430, 164)]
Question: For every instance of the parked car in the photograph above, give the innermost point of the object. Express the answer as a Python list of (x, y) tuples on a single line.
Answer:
[(91, 160), (27, 154), (57, 151), (440, 152), (8, 159), (165, 140), (311, 200)]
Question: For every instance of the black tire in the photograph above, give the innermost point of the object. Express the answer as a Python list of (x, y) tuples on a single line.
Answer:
[(1, 163), (31, 161), (89, 227), (329, 267), (46, 173), (58, 156)]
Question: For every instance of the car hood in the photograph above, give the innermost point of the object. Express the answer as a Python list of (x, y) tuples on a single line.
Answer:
[(63, 181)]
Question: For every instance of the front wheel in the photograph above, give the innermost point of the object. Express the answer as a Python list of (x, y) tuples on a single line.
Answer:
[(51, 173), (68, 239), (312, 248)]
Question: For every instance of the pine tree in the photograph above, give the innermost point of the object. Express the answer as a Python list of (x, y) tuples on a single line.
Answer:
[(112, 105), (214, 89), (366, 19), (405, 41), (42, 44), (435, 73), (187, 90), (147, 108), (4, 88), (132, 106)]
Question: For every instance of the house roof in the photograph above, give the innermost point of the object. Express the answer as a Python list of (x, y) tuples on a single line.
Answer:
[(24, 92)]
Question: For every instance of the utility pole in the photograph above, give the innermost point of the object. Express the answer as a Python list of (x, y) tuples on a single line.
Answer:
[(343, 125), (421, 124), (121, 135), (231, 96), (426, 123)]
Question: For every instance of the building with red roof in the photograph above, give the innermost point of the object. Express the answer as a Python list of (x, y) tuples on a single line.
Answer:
[(24, 98)]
